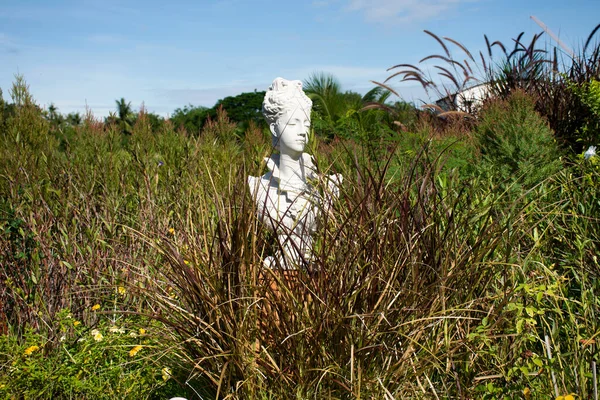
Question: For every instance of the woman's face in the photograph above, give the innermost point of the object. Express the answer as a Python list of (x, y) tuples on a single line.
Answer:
[(292, 128)]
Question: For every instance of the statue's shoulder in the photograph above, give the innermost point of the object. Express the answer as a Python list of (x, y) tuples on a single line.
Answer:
[(253, 181), (259, 185)]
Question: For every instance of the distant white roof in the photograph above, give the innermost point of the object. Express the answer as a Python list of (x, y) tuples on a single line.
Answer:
[(466, 99)]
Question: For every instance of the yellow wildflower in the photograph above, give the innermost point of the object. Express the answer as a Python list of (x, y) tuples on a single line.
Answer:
[(76, 323), (142, 331), (166, 373), (570, 396), (121, 290), (97, 335), (30, 350), (95, 307), (186, 262), (171, 231), (527, 393), (134, 351)]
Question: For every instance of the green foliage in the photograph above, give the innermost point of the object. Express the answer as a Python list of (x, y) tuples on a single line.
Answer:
[(190, 118), (25, 121), (591, 97), (156, 121), (516, 141), (557, 83), (108, 360), (20, 270), (124, 116), (243, 108), (589, 94), (348, 115), (429, 280), (328, 100)]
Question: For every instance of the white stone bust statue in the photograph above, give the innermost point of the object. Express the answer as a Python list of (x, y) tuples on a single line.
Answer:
[(286, 199)]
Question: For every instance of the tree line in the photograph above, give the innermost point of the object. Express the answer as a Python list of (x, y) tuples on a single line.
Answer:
[(336, 113)]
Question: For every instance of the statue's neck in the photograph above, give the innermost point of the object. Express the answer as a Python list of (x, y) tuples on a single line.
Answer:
[(291, 172)]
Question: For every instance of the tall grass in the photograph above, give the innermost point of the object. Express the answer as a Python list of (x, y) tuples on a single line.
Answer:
[(430, 278), (558, 79)]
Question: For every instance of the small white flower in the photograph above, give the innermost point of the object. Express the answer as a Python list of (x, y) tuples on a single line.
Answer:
[(63, 338), (590, 152), (116, 329)]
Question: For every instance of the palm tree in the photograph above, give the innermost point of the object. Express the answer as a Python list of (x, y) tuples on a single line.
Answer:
[(124, 115), (111, 119), (325, 92), (52, 111), (345, 113), (74, 119)]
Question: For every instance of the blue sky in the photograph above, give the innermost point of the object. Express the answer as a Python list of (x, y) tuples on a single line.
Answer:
[(169, 54)]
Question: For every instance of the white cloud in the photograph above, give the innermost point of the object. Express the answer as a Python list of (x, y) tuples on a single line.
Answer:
[(391, 12)]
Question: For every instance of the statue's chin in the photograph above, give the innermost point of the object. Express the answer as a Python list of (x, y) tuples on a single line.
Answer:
[(294, 149)]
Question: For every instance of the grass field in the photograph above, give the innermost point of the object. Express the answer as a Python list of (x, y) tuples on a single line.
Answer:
[(461, 264)]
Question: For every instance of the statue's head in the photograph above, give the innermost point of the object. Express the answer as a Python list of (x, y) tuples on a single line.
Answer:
[(287, 110)]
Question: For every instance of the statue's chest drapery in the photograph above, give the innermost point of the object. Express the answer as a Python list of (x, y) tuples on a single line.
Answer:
[(282, 210)]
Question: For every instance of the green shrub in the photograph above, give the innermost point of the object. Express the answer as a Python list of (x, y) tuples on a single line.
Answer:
[(589, 94), (515, 142)]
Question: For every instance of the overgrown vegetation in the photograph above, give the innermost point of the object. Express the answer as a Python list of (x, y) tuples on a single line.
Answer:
[(559, 81), (460, 260)]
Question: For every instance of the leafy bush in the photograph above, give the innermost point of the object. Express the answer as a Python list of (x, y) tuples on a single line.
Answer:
[(589, 94), (516, 141)]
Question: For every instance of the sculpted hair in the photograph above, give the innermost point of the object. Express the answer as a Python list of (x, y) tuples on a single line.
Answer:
[(284, 94)]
